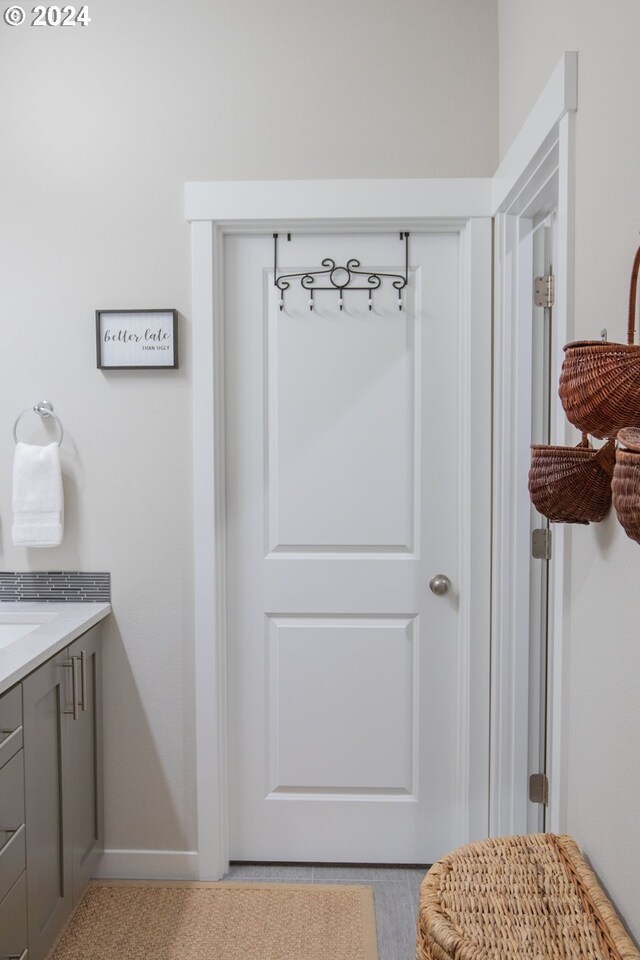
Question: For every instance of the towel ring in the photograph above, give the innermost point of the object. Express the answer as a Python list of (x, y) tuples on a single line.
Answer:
[(43, 409)]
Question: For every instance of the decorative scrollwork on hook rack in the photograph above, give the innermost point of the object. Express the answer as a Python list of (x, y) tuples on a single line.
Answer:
[(341, 278)]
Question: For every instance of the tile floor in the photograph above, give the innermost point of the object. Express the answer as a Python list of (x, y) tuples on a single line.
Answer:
[(395, 895)]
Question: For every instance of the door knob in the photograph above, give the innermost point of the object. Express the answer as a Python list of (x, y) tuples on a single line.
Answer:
[(439, 584)]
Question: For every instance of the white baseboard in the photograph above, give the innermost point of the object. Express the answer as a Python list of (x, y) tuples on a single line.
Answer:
[(148, 865)]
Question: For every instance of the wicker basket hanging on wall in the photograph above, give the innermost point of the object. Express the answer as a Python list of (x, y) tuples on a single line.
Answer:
[(625, 485), (600, 381), (572, 484)]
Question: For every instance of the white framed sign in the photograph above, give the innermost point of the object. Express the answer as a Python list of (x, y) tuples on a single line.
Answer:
[(136, 339)]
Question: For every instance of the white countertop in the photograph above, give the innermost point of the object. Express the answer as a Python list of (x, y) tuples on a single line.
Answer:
[(64, 622)]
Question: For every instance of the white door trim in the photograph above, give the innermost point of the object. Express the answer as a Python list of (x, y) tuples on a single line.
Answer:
[(326, 200), (215, 209), (536, 172), (559, 97)]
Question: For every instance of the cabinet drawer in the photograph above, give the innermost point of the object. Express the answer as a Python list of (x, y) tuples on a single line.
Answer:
[(13, 921), (13, 859), (12, 830), (10, 724), (12, 794)]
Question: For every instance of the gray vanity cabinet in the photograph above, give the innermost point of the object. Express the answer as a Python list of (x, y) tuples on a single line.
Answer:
[(63, 785), (85, 762), (47, 699), (13, 888)]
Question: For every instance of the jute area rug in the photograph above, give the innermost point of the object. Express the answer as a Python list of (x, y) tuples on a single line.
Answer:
[(220, 921)]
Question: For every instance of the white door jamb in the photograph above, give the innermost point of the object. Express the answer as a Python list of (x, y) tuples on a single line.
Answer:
[(536, 173)]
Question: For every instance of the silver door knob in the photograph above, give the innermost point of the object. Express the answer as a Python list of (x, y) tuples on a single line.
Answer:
[(440, 584)]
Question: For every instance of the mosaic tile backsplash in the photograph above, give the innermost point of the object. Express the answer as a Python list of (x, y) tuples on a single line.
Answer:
[(60, 586)]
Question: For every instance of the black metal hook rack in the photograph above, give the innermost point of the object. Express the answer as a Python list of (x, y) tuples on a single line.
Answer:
[(341, 278)]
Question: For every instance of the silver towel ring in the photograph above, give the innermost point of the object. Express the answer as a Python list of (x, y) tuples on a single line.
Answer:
[(43, 409)]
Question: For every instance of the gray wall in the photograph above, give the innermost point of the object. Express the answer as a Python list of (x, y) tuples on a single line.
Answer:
[(101, 126), (604, 623)]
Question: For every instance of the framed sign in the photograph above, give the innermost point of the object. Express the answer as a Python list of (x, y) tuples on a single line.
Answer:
[(136, 339)]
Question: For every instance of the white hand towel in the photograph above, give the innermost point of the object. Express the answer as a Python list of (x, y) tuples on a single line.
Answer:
[(38, 502)]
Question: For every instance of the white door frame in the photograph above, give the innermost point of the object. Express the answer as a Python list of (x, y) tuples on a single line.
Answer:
[(218, 208), (536, 173)]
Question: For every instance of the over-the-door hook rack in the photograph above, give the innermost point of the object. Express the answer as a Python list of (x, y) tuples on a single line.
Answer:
[(340, 278), (43, 409)]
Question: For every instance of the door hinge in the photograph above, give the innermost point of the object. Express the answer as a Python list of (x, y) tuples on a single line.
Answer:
[(541, 543), (539, 788), (544, 291)]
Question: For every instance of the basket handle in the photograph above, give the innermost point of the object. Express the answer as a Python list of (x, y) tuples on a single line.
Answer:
[(631, 329)]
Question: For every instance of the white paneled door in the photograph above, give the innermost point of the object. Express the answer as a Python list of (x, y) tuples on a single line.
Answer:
[(346, 725)]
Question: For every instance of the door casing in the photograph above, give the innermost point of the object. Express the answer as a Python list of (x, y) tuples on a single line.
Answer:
[(314, 206), (536, 176)]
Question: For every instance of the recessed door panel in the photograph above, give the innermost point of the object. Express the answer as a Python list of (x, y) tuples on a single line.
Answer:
[(367, 661), (340, 427)]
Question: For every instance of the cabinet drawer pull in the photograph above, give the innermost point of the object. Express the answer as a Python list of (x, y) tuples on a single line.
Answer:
[(71, 665), (83, 678), (15, 956), (12, 834)]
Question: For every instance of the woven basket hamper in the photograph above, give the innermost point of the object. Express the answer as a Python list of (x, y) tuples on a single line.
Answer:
[(625, 485), (600, 380), (518, 898), (572, 484)]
